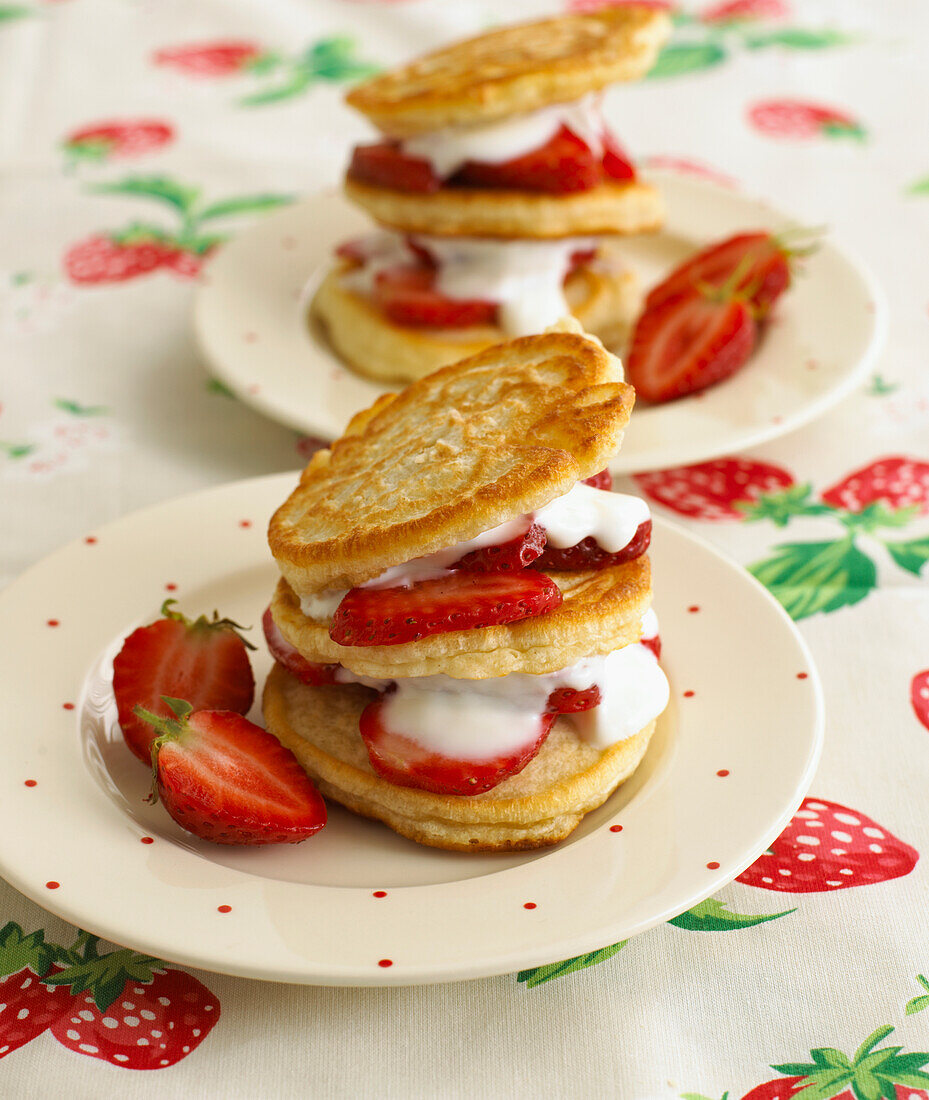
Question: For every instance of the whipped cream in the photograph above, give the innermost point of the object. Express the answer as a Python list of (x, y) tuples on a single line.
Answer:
[(611, 518), (478, 720), (448, 150)]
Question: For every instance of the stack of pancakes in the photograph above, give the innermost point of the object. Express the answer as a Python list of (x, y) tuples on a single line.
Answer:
[(456, 113), (476, 445)]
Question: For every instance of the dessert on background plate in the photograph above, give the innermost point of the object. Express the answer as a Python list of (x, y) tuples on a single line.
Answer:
[(500, 191), (462, 631)]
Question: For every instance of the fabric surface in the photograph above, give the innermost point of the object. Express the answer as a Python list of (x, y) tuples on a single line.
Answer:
[(136, 136)]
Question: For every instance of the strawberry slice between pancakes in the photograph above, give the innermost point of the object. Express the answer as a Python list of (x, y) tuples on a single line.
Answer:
[(307, 672), (573, 700), (384, 165), (458, 601), (405, 762), (506, 556), (589, 554), (407, 294)]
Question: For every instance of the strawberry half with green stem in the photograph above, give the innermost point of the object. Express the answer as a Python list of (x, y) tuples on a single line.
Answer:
[(130, 1009), (226, 780), (118, 138), (28, 1006), (459, 601), (830, 847), (203, 660)]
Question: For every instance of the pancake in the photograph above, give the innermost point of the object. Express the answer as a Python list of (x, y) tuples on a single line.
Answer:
[(610, 207), (605, 302), (456, 454), (601, 611), (537, 807), (513, 70)]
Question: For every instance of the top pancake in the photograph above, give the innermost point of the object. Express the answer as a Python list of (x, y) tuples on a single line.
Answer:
[(513, 70), (455, 454)]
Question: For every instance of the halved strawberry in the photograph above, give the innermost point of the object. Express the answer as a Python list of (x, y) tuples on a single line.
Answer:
[(654, 644), (761, 260), (227, 780), (687, 343), (408, 764), (204, 660), (602, 480), (459, 601), (307, 672), (385, 165), (508, 556), (571, 700), (588, 554), (616, 164), (562, 164), (408, 296)]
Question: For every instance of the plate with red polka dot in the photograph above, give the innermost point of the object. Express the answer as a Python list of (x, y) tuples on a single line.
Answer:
[(356, 904)]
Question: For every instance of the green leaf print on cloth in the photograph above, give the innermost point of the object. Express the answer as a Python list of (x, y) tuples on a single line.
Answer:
[(714, 916), (537, 975), (917, 1004)]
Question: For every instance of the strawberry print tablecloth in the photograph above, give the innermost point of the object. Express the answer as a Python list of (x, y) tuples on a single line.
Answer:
[(137, 136)]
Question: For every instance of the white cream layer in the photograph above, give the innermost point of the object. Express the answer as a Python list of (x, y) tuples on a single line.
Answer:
[(448, 150), (583, 512)]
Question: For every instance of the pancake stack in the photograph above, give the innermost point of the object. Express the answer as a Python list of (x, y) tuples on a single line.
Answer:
[(464, 644), (501, 193)]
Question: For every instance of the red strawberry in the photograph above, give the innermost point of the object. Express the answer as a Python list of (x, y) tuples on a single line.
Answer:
[(654, 644), (687, 343), (27, 1005), (118, 139), (460, 601), (602, 480), (713, 490), (100, 259), (408, 764), (227, 780), (919, 696), (829, 847), (211, 58), (563, 164), (408, 296), (871, 1071), (794, 118), (134, 1012), (897, 481), (588, 554), (570, 700), (186, 265), (204, 661), (307, 672), (384, 165), (616, 164), (762, 264), (508, 556), (733, 11)]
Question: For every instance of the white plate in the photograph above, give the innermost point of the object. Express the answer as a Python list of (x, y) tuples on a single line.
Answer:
[(252, 325), (309, 912)]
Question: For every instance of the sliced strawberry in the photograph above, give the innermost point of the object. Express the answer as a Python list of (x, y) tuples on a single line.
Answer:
[(227, 780), (602, 480), (763, 264), (307, 672), (616, 164), (408, 764), (460, 601), (571, 701), (508, 556), (204, 661), (385, 165), (561, 165), (654, 644), (687, 343), (353, 250), (408, 296), (588, 554)]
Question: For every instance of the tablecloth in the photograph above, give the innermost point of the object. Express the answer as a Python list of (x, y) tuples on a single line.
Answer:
[(136, 136)]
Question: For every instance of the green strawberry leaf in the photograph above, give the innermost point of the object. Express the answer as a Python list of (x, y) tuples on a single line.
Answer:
[(917, 1004), (811, 577), (9, 12), (244, 204), (18, 951), (780, 508), (880, 387), (334, 59), (713, 916), (153, 187), (920, 187), (796, 38), (263, 63), (17, 450), (105, 976), (876, 515), (538, 974), (214, 385), (75, 408), (844, 130), (687, 58), (911, 556)]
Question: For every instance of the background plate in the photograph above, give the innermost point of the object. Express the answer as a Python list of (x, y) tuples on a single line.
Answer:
[(71, 840)]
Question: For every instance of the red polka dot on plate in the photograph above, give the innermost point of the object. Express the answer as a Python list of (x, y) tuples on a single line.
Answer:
[(52, 885), (723, 772), (288, 242), (223, 908), (52, 622), (379, 894), (253, 389), (529, 905), (249, 337), (693, 609), (712, 865), (385, 962), (146, 840), (802, 675), (30, 783), (245, 523), (688, 694), (90, 540), (616, 828), (67, 706), (170, 587)]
